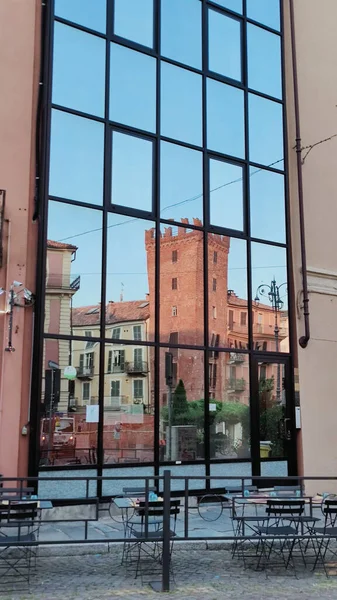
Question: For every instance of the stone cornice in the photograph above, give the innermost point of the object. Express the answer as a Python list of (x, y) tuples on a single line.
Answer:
[(321, 281)]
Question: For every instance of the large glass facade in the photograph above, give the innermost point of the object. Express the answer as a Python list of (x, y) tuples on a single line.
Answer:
[(166, 255)]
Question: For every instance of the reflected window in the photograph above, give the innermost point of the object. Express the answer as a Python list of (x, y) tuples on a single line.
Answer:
[(130, 277), (132, 160), (235, 5), (132, 88), (84, 12), (265, 132), (226, 195), (225, 119), (229, 410), (78, 70), (181, 182), (224, 39), (76, 158), (73, 270), (181, 104), (267, 205), (264, 61), (265, 11), (181, 31), (134, 20)]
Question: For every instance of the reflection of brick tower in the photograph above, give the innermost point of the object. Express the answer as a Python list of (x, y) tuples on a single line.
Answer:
[(182, 298)]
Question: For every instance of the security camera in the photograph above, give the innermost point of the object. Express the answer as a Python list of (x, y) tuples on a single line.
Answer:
[(28, 295), (17, 284)]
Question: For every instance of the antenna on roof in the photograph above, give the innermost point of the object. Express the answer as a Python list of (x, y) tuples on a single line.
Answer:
[(122, 292)]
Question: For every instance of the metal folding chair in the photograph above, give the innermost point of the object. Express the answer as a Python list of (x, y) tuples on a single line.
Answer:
[(326, 534), (19, 523)]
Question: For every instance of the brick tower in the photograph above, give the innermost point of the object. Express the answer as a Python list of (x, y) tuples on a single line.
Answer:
[(182, 300)]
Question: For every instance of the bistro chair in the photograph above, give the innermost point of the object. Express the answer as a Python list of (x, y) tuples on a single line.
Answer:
[(327, 533), (19, 523), (150, 527), (278, 536)]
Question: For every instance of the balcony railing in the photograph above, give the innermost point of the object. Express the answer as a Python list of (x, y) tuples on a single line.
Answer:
[(236, 385), (83, 372), (117, 369), (116, 402), (136, 367), (235, 357)]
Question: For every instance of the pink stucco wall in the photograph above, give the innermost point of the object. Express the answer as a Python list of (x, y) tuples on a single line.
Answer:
[(19, 67)]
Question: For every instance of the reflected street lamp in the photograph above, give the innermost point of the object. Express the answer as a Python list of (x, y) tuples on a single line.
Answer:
[(272, 292)]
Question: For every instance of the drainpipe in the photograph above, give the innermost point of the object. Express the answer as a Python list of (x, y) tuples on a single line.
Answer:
[(304, 339)]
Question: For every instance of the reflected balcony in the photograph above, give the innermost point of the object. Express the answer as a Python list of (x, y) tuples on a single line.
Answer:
[(236, 385), (116, 403), (236, 358), (117, 369), (136, 368), (85, 372)]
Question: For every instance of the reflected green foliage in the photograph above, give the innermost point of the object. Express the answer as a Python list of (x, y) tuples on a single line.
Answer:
[(270, 416)]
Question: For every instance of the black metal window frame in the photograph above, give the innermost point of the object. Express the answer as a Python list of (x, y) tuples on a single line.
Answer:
[(107, 208)]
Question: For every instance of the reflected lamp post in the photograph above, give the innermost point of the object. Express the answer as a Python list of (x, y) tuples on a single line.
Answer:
[(272, 292)]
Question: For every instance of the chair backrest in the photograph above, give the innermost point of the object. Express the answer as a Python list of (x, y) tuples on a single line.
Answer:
[(330, 507), (22, 513), (156, 508), (285, 508)]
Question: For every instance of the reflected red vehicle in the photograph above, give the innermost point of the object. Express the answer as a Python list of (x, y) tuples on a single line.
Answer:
[(58, 439)]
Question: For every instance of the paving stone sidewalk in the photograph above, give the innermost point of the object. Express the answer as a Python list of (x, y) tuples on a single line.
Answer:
[(200, 574)]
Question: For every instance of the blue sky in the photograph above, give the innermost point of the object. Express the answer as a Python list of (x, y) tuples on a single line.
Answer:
[(77, 143)]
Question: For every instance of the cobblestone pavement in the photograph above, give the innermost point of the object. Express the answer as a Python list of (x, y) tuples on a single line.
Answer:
[(200, 574)]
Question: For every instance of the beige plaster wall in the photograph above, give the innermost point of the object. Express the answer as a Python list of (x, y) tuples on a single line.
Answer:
[(19, 65), (316, 58)]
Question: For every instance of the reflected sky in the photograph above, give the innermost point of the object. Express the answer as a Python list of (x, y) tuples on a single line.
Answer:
[(76, 158), (265, 11), (235, 5), (132, 88), (265, 130), (267, 205), (181, 104), (79, 70), (181, 31), (224, 35), (226, 202), (132, 160), (133, 20), (225, 119), (268, 263), (84, 12), (264, 61)]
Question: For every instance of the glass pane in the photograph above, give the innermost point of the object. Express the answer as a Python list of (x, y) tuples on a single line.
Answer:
[(181, 31), (181, 104), (78, 70), (132, 88), (264, 61), (85, 12), (226, 195), (134, 20), (181, 182), (235, 5), (265, 11), (69, 407), (227, 292), (274, 468), (76, 158), (132, 171), (179, 484), (270, 298), (225, 119), (181, 397), (224, 36), (267, 205), (272, 402), (130, 278), (71, 487), (229, 405), (239, 469), (115, 487), (73, 278), (265, 132), (128, 403), (181, 286)]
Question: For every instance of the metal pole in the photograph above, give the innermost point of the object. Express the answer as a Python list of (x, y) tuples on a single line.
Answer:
[(166, 532), (50, 413), (169, 453)]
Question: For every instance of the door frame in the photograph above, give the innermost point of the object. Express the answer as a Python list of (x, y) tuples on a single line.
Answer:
[(291, 445)]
